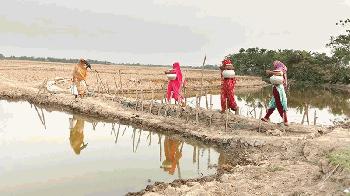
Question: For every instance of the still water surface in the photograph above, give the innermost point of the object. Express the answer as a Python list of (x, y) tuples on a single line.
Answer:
[(54, 153), (306, 105)]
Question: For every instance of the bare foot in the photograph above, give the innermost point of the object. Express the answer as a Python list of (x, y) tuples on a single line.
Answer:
[(264, 119)]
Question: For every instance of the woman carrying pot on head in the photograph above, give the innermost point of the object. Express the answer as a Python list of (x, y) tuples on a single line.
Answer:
[(228, 82), (279, 100), (175, 84), (79, 78)]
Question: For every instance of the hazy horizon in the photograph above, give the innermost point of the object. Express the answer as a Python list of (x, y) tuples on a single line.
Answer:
[(164, 31)]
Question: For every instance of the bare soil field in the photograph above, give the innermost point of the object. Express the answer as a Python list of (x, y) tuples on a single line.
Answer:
[(118, 78), (263, 158)]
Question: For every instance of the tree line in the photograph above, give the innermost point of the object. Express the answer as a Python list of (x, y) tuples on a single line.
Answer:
[(303, 66), (52, 59)]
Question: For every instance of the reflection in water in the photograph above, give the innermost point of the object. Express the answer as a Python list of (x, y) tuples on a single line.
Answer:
[(301, 97), (76, 136), (306, 105), (115, 153), (311, 105), (173, 153)]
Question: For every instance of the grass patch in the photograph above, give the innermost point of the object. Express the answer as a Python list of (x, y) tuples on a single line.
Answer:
[(274, 168), (341, 158)]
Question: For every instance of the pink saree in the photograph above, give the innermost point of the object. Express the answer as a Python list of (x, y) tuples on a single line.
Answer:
[(174, 86)]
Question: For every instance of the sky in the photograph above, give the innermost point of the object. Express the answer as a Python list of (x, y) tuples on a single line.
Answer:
[(164, 31)]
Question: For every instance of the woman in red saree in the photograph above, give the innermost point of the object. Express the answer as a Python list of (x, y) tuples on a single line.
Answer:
[(228, 88), (174, 86)]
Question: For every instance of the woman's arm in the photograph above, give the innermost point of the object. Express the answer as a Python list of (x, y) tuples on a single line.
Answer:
[(276, 73), (171, 71)]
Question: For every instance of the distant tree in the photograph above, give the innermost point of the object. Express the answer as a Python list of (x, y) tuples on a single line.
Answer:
[(341, 44)]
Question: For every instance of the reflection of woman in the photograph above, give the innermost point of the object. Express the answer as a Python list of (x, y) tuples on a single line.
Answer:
[(228, 88), (76, 137), (174, 86), (172, 155), (279, 99)]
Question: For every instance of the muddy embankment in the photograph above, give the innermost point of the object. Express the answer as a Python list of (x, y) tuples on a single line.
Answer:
[(262, 158), (205, 125)]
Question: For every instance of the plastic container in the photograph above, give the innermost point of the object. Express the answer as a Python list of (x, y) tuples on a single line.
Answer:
[(228, 73), (73, 89), (171, 76), (276, 80)]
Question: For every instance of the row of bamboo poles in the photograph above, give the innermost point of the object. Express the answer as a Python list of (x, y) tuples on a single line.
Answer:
[(165, 106)]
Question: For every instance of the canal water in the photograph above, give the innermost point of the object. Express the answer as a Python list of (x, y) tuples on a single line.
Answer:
[(306, 105), (54, 153)]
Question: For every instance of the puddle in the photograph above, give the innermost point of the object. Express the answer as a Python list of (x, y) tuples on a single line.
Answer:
[(54, 153)]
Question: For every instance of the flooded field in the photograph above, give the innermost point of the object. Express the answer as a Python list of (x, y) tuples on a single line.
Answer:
[(307, 105), (54, 153)]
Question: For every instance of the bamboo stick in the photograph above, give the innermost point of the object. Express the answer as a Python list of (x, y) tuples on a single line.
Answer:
[(40, 117), (307, 116), (120, 82), (211, 102), (209, 158), (226, 122), (206, 100), (194, 154), (166, 109), (133, 139), (201, 93), (98, 84), (315, 117), (210, 119), (137, 97), (116, 86), (116, 139), (139, 140), (159, 109), (198, 160), (197, 108), (142, 99), (160, 147), (125, 130), (151, 105), (260, 116), (43, 115), (179, 110)]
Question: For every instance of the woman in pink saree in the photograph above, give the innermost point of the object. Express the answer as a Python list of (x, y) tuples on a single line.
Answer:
[(279, 99), (174, 86)]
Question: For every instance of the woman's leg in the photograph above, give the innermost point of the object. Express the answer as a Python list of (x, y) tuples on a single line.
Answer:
[(79, 88), (168, 93), (231, 100), (285, 119), (279, 106), (268, 114), (223, 98)]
